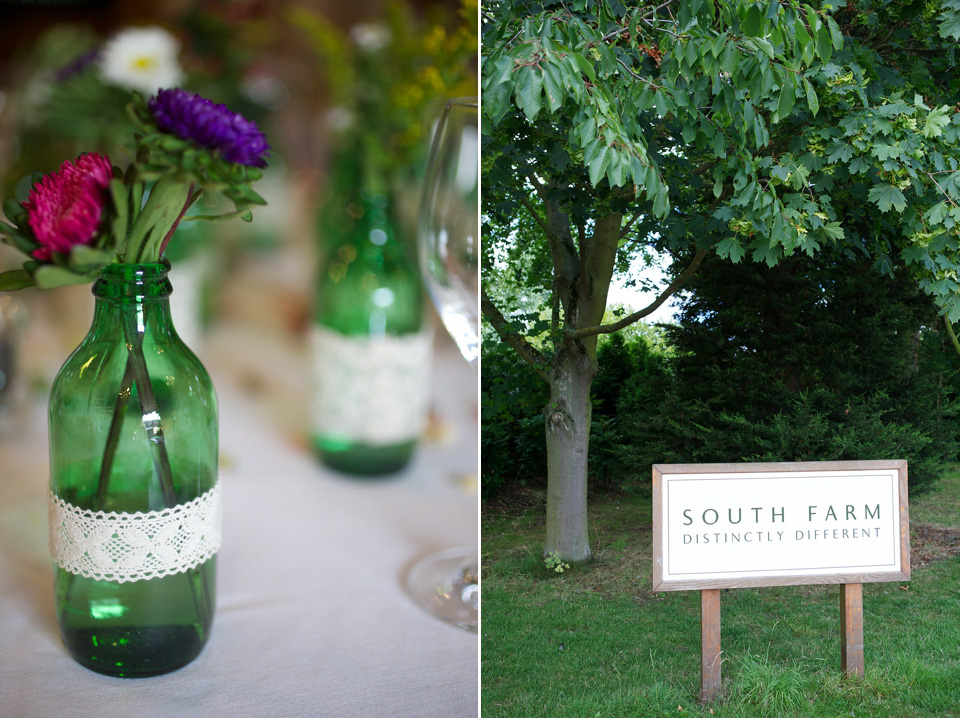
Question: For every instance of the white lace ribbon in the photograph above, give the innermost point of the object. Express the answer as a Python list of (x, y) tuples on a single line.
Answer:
[(138, 546), (371, 390)]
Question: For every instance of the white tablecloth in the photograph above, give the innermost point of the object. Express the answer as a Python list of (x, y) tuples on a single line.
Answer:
[(312, 618)]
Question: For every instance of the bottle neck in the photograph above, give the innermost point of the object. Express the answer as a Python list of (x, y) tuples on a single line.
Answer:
[(133, 299), (133, 283)]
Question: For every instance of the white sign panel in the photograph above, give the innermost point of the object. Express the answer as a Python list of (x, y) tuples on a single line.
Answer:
[(731, 525)]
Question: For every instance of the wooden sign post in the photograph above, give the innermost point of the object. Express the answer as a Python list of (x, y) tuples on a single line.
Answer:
[(719, 526), (710, 682), (851, 629)]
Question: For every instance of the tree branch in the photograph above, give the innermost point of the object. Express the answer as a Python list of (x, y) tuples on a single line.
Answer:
[(529, 353), (566, 260), (629, 224), (649, 309), (536, 217), (951, 334)]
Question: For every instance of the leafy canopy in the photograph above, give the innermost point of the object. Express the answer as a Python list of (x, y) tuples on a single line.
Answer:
[(755, 129)]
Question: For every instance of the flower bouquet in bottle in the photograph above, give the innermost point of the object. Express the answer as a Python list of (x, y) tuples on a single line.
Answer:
[(134, 498)]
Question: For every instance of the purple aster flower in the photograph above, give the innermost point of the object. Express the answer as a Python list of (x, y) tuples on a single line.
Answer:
[(192, 117), (78, 65)]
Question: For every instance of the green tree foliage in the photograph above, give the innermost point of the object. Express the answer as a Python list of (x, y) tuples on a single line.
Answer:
[(511, 410), (630, 364), (742, 129), (809, 360)]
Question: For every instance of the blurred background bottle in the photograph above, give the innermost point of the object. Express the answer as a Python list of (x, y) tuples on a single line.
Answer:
[(371, 345)]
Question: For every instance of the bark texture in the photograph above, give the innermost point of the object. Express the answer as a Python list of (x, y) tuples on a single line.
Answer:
[(582, 274)]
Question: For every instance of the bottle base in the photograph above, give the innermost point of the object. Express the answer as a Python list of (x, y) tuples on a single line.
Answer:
[(362, 460), (134, 651)]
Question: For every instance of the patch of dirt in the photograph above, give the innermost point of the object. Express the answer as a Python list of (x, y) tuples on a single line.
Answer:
[(929, 543), (515, 500)]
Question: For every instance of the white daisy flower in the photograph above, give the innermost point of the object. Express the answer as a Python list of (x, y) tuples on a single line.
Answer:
[(142, 59), (338, 119), (370, 37)]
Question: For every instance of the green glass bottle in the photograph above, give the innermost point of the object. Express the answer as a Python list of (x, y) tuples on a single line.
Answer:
[(371, 347), (134, 498)]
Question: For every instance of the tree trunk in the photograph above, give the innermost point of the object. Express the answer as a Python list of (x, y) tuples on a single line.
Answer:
[(582, 277), (567, 419)]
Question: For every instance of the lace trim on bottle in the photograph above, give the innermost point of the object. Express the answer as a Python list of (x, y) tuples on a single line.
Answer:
[(371, 390), (138, 546)]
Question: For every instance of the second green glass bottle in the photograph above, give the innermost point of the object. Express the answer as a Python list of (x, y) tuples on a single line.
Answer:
[(371, 347)]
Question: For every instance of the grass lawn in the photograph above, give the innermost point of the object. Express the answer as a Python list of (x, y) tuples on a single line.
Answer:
[(595, 641)]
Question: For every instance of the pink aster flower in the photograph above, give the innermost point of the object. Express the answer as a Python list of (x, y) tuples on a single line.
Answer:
[(65, 207)]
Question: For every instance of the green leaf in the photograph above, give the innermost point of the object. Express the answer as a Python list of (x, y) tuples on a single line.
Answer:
[(16, 237), (690, 54), (765, 46), (839, 152), (728, 60), (528, 91), (835, 33), (766, 251), (598, 166), (15, 279), (49, 276), (936, 121), (591, 151), (883, 151), (833, 230), (858, 165), (615, 169), (886, 196), (582, 65), (85, 256), (787, 99), (661, 205), (752, 21), (14, 210), (916, 255), (950, 22), (121, 205), (937, 213), (812, 101), (608, 62), (805, 43), (824, 44), (730, 248), (553, 86)]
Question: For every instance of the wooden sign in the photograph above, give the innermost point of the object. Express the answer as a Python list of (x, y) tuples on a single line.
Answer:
[(721, 526), (737, 525)]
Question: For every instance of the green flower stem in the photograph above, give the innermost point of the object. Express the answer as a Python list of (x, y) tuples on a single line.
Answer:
[(169, 198), (148, 405), (113, 437), (191, 198)]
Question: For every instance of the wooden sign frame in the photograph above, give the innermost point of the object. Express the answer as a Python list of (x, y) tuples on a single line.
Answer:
[(851, 596)]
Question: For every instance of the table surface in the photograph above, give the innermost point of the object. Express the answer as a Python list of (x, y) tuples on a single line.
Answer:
[(312, 618)]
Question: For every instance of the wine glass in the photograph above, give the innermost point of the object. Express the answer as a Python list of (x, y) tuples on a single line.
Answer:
[(446, 584)]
